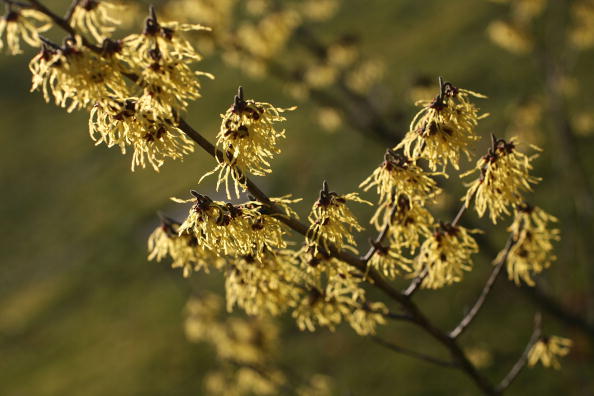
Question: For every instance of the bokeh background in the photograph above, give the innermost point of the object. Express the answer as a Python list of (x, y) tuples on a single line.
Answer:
[(82, 312)]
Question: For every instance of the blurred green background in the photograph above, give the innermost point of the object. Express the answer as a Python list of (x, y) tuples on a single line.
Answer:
[(82, 312)]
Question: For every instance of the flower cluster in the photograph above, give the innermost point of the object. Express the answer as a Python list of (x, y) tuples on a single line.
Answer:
[(547, 351), (445, 256), (339, 300), (238, 230), (582, 33), (162, 57), (247, 141), (75, 76), (246, 350), (152, 137), (143, 115), (398, 175), (504, 175), (183, 249), (332, 222), (532, 244), (443, 128), (269, 285), (96, 17), (22, 24)]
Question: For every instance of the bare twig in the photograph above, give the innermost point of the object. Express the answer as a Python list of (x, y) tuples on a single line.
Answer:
[(471, 315), (521, 363), (414, 354), (381, 237), (70, 11)]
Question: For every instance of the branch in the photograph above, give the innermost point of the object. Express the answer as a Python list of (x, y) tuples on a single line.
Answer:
[(521, 363), (485, 292), (70, 11), (414, 354), (416, 316), (418, 280), (381, 237)]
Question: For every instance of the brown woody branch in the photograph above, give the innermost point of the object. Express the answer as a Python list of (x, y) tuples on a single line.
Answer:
[(414, 354), (521, 363), (471, 315)]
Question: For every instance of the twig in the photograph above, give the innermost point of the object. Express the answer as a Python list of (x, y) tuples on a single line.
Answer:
[(381, 237), (70, 11), (414, 354), (460, 213), (416, 283), (63, 24), (521, 363), (471, 315)]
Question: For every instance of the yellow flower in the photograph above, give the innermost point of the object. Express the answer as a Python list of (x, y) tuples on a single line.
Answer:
[(237, 230), (247, 140), (398, 175), (245, 347), (532, 250), (581, 34), (25, 24), (339, 300), (268, 285), (167, 85), (164, 37), (389, 261), (548, 349), (183, 249), (75, 76), (443, 128), (504, 175), (121, 123), (97, 17), (445, 255), (409, 223), (332, 222), (511, 37), (269, 36)]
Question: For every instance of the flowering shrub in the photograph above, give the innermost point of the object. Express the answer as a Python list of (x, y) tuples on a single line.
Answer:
[(137, 89)]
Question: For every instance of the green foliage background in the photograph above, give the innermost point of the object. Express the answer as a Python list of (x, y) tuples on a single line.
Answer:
[(83, 313)]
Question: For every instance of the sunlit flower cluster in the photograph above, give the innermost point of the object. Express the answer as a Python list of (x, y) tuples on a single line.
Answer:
[(443, 128), (332, 222), (334, 294), (398, 175), (247, 141), (238, 230), (75, 76), (270, 285), (246, 350), (162, 56), (389, 261), (532, 249), (152, 138), (22, 24), (445, 256), (339, 301), (243, 347), (184, 250), (96, 17), (547, 351), (504, 176)]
